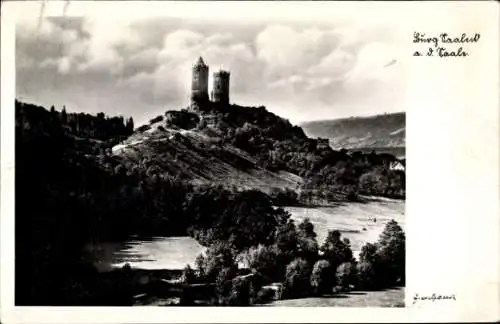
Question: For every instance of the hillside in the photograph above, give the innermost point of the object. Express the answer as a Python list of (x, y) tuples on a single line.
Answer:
[(201, 159), (247, 148), (382, 133)]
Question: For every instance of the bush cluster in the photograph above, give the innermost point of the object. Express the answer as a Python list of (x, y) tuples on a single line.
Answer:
[(306, 271)]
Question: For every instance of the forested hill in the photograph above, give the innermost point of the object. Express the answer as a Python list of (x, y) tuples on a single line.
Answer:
[(82, 127), (382, 133), (250, 147)]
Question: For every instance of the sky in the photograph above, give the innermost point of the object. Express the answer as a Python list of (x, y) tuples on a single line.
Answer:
[(300, 67)]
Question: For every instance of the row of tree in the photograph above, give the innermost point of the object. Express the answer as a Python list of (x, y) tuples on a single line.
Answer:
[(99, 126), (303, 268)]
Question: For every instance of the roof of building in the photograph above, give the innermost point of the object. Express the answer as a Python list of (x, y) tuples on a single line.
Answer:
[(221, 72), (200, 62)]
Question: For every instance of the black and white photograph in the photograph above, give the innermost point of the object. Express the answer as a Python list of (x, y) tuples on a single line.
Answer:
[(203, 162), (228, 160)]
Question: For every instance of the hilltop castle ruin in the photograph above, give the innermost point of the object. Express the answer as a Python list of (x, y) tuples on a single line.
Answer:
[(199, 84)]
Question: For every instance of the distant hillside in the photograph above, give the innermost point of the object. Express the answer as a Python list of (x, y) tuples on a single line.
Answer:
[(382, 133)]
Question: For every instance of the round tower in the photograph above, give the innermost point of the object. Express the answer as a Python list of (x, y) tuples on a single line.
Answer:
[(199, 84), (220, 91)]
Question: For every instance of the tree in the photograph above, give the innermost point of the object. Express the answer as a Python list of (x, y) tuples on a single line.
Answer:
[(307, 245), (322, 277), (335, 250), (391, 252), (368, 253), (130, 125), (374, 182), (297, 279), (286, 240), (64, 115), (307, 228)]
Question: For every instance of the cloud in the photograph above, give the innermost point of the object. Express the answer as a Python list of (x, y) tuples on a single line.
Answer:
[(287, 51), (298, 71)]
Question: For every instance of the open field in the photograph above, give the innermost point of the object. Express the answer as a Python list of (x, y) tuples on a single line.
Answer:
[(359, 222), (385, 298)]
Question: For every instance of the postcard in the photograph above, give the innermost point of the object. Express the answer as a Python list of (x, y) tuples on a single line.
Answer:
[(267, 161)]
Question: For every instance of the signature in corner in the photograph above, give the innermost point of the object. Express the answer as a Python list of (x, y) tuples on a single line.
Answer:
[(433, 297)]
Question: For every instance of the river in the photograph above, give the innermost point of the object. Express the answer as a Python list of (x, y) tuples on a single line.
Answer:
[(359, 222)]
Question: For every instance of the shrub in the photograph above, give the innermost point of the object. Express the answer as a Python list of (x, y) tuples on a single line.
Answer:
[(156, 119), (182, 119), (232, 290), (245, 289), (352, 196), (240, 292), (367, 278), (284, 197), (264, 295), (347, 275), (218, 256), (143, 128), (188, 275), (297, 279), (265, 260), (223, 284), (322, 277)]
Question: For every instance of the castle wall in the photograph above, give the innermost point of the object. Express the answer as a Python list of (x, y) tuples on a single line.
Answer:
[(220, 91), (199, 84)]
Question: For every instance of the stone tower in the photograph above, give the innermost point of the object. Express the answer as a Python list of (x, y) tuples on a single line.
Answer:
[(199, 84), (220, 91)]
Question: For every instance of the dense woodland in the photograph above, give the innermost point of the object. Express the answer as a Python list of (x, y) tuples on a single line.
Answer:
[(294, 259), (70, 190), (278, 145)]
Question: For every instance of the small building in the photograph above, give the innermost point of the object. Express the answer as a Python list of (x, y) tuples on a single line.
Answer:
[(398, 165)]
